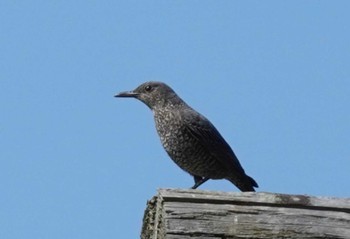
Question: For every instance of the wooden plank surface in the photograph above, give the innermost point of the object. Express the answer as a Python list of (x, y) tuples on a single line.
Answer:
[(206, 214)]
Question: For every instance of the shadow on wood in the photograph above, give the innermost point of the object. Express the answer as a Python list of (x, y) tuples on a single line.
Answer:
[(185, 214)]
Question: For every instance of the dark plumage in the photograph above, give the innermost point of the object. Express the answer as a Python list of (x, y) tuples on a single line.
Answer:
[(191, 141)]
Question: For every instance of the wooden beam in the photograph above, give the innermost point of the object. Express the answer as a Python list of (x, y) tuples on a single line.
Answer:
[(185, 214)]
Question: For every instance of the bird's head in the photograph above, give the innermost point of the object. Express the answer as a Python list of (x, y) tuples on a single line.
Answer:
[(154, 94)]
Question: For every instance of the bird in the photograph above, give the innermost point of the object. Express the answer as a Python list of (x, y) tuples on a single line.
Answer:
[(189, 138)]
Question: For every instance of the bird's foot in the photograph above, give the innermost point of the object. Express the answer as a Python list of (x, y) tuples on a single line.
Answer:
[(199, 181)]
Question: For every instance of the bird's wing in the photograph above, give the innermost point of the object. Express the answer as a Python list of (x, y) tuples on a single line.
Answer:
[(210, 138)]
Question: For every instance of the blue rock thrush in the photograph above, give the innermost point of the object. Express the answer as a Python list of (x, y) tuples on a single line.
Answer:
[(190, 139)]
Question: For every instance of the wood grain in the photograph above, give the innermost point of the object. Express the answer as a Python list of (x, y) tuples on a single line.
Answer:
[(176, 213)]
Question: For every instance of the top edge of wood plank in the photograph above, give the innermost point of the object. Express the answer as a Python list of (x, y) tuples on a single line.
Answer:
[(255, 198)]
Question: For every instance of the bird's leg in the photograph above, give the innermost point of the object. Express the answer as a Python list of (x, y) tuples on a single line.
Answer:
[(198, 181)]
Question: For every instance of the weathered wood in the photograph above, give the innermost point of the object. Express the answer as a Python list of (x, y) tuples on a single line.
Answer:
[(197, 214)]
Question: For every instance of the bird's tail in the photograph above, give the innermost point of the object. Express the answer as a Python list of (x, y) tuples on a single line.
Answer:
[(245, 183)]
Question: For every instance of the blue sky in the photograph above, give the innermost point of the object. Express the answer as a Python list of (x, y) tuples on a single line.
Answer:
[(272, 76)]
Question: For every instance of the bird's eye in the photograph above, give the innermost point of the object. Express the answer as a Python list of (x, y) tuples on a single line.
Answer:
[(148, 88)]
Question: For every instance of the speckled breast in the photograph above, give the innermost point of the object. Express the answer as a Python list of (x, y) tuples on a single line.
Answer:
[(184, 149)]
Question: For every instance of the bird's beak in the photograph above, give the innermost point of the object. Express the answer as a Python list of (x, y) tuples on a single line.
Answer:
[(127, 94)]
